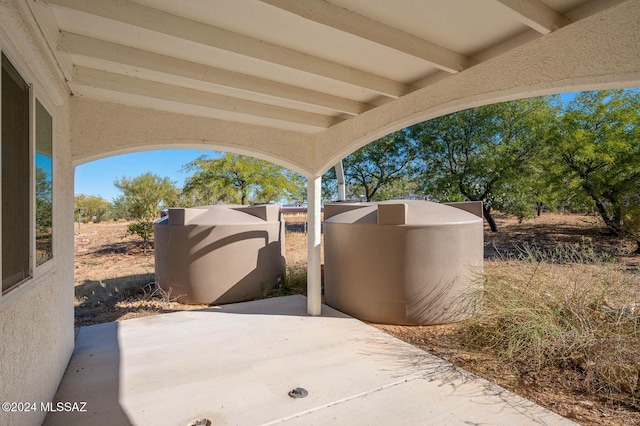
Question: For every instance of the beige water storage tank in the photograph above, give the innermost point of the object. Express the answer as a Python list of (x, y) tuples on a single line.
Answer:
[(219, 254), (408, 262)]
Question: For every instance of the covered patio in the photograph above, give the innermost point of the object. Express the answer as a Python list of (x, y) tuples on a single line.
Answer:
[(236, 364), (298, 83), (303, 84)]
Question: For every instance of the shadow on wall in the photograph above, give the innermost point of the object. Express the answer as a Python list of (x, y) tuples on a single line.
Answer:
[(445, 302), (95, 360), (217, 265), (268, 270)]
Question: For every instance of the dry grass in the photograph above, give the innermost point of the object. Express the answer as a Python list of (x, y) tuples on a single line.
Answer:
[(554, 312), (559, 326), (114, 274)]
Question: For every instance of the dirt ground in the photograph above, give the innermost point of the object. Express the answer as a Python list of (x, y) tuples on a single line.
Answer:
[(114, 280)]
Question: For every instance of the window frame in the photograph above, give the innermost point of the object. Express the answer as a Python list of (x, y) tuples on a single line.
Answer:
[(37, 274), (33, 125)]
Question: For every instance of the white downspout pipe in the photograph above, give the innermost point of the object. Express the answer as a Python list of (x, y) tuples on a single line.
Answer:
[(314, 274), (342, 187)]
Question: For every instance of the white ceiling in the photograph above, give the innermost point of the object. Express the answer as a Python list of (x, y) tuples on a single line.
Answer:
[(302, 65)]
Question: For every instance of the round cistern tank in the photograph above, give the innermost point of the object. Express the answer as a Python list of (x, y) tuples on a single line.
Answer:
[(219, 254), (406, 262)]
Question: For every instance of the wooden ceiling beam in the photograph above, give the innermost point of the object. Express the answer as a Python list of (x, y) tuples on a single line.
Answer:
[(336, 17), (537, 15), (152, 89), (140, 16), (89, 47)]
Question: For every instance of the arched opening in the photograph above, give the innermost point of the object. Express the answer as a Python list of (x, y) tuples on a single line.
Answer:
[(394, 159), (114, 263), (525, 270), (559, 253), (300, 86), (437, 108)]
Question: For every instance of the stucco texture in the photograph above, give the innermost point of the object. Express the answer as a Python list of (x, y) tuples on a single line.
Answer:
[(36, 328), (101, 129), (36, 321)]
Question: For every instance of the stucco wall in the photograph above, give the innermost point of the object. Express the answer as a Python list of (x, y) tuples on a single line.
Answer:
[(36, 328), (101, 129), (36, 320)]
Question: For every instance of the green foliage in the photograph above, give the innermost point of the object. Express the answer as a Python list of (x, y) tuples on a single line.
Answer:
[(401, 187), (44, 204), (120, 209), (142, 199), (237, 179), (599, 153), (94, 208), (293, 282), (143, 229), (515, 157), (517, 201), (193, 198), (485, 153), (145, 196), (380, 170)]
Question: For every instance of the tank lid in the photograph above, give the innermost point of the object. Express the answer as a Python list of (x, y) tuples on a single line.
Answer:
[(405, 212), (224, 215)]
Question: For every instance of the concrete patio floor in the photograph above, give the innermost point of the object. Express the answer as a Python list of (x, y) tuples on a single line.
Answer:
[(235, 364)]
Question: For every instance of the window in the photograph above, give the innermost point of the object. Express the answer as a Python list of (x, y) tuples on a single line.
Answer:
[(15, 177), (26, 179), (44, 185)]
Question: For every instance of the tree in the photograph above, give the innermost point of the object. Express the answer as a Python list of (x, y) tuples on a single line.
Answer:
[(93, 208), (119, 208), (380, 170), (146, 195), (485, 153), (44, 205), (405, 186), (238, 179), (143, 198), (600, 152)]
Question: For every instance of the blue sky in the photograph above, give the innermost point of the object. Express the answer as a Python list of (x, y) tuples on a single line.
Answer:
[(97, 177)]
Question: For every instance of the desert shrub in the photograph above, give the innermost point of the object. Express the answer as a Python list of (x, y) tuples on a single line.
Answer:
[(293, 282), (554, 312), (143, 229)]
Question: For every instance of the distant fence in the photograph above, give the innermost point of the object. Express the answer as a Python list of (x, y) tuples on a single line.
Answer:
[(299, 223), (295, 209), (295, 218)]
